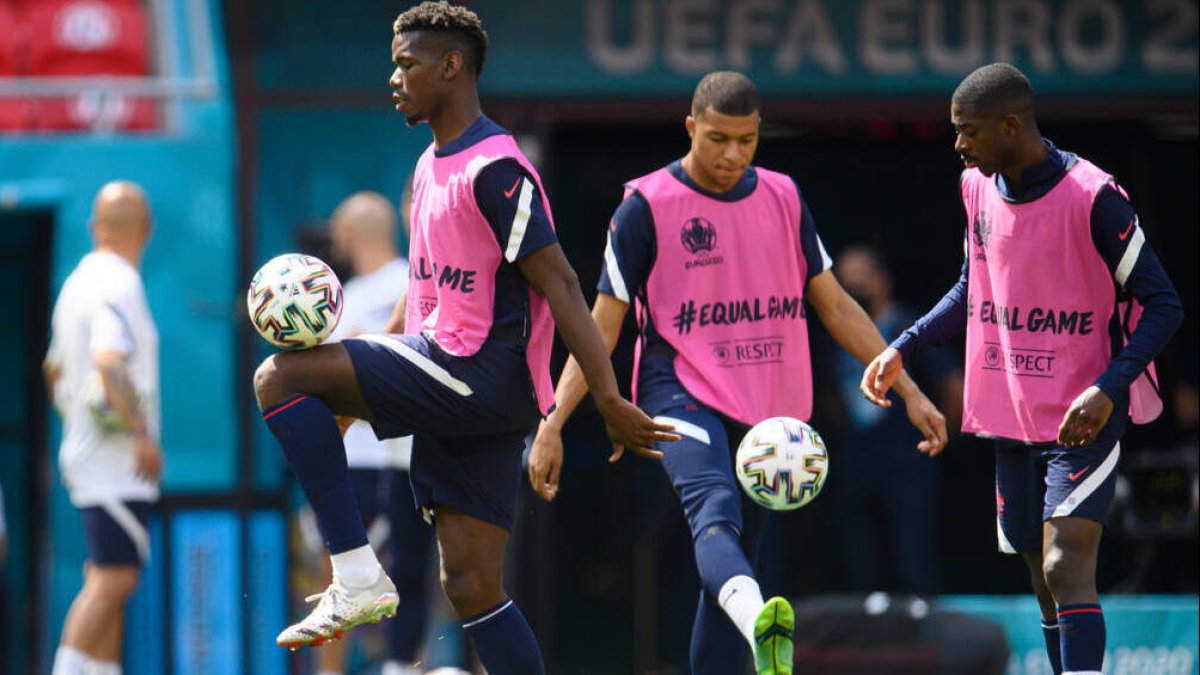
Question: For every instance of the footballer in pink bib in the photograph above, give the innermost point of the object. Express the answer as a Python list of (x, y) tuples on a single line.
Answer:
[(736, 321), (454, 255), (1042, 300), (1065, 307)]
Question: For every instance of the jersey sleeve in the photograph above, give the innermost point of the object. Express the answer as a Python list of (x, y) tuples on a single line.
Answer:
[(941, 324), (631, 249), (111, 329), (1119, 239), (509, 198), (810, 242)]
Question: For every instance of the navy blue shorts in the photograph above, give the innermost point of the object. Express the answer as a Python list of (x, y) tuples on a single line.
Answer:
[(474, 475), (700, 464), (116, 533), (469, 417), (1035, 483)]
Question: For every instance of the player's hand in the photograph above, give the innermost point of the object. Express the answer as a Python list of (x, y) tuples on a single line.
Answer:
[(344, 422), (147, 457), (930, 421), (879, 377), (629, 427), (545, 461), (1085, 418)]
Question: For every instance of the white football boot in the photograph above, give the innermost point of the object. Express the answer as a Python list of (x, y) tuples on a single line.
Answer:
[(339, 610)]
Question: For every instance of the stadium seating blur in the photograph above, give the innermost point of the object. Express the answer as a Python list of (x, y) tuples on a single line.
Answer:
[(79, 38), (12, 111)]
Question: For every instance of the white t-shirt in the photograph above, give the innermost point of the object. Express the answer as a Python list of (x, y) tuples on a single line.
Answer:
[(369, 300), (102, 307)]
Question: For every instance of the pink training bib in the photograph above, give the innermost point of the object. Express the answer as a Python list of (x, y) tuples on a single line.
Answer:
[(453, 259), (1040, 299), (726, 291)]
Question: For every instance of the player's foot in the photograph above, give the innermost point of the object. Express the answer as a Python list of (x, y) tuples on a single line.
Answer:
[(339, 610), (773, 638)]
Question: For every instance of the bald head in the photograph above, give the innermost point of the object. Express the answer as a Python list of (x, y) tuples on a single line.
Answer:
[(363, 229), (121, 218)]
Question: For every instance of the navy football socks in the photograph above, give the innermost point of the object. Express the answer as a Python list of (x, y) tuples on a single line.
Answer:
[(504, 642), (313, 445), (719, 557), (1082, 637), (1053, 646)]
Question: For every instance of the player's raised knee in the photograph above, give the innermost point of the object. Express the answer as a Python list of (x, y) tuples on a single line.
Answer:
[(266, 382)]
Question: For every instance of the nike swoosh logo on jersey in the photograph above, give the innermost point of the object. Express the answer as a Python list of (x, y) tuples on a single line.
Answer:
[(509, 192), (1129, 229), (1075, 476)]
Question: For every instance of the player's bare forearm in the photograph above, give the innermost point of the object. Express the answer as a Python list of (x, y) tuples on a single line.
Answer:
[(395, 322), (547, 269), (120, 392), (608, 313)]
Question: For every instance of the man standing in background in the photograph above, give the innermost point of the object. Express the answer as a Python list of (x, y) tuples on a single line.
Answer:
[(102, 373), (886, 494)]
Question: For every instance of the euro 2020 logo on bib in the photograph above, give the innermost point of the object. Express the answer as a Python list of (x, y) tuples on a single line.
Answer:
[(699, 236)]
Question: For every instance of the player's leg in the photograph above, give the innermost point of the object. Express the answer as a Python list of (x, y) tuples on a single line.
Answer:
[(469, 488), (369, 493), (701, 471), (1080, 484), (117, 543), (91, 634), (1020, 489), (472, 572), (409, 543), (298, 393)]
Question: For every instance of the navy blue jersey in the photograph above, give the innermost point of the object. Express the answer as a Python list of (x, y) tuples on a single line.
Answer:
[(497, 193), (1121, 243), (630, 256)]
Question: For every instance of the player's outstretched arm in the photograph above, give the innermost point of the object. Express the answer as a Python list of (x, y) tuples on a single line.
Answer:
[(546, 454), (547, 269), (856, 333)]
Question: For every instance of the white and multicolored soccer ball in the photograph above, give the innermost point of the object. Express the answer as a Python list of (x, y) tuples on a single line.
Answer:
[(294, 301), (781, 463)]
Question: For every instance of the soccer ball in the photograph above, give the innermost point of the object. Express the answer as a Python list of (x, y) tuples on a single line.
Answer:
[(294, 301), (782, 463)]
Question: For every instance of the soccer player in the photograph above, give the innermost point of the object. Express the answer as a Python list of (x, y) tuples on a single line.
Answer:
[(471, 377), (363, 233), (719, 255), (102, 373), (1056, 360)]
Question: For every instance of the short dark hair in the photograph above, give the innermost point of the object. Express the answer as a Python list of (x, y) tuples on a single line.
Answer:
[(726, 92), (996, 88), (457, 22)]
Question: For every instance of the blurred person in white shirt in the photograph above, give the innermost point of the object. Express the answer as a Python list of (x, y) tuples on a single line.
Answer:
[(102, 374)]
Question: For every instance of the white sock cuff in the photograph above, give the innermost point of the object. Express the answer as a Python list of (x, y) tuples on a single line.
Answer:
[(104, 668), (742, 600), (358, 567), (69, 661)]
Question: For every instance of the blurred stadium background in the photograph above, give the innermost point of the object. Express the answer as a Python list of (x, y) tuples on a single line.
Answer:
[(247, 121)]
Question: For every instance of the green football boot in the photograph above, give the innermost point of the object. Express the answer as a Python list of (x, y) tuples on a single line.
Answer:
[(773, 638)]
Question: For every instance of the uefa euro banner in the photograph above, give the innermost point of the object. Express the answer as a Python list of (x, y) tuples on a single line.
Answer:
[(637, 48)]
